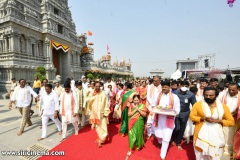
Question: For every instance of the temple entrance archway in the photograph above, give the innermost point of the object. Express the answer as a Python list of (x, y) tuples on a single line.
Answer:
[(60, 61)]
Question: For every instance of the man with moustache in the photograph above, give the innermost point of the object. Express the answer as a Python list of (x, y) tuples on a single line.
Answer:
[(22, 96), (209, 115), (232, 99), (152, 93), (203, 84), (50, 108), (99, 108), (163, 125)]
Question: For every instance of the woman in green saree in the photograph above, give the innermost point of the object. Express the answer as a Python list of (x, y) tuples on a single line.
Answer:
[(136, 121)]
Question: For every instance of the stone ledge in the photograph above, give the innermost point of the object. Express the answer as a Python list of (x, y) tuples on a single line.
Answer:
[(4, 95)]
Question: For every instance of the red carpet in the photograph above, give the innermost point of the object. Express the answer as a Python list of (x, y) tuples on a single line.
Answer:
[(83, 147)]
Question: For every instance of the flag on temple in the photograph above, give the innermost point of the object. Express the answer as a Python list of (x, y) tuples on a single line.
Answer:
[(89, 33), (107, 47)]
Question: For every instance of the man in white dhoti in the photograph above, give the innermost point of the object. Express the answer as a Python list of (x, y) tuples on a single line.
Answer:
[(152, 94), (163, 124), (68, 109), (50, 107), (232, 99), (209, 116)]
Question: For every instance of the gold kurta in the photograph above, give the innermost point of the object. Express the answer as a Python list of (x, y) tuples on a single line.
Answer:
[(197, 113), (99, 110)]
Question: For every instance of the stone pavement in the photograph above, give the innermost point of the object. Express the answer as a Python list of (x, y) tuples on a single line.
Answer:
[(10, 123), (9, 141)]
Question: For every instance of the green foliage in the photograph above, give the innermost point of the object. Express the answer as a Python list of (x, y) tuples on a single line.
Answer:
[(40, 73), (90, 76), (41, 70)]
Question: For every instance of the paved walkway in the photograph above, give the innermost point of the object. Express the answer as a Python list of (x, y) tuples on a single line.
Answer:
[(9, 123), (9, 141)]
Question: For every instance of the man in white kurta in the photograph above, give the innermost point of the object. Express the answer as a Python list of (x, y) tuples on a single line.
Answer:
[(50, 107), (152, 94), (84, 83), (232, 99), (22, 96), (162, 131), (68, 110)]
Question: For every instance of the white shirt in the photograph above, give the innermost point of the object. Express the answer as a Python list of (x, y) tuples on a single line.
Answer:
[(49, 103), (42, 91), (112, 84), (23, 96), (232, 102), (85, 85), (153, 100), (67, 102), (165, 101), (162, 131), (108, 94), (73, 85), (68, 117)]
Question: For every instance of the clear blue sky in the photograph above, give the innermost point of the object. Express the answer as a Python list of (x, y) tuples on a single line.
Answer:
[(154, 34)]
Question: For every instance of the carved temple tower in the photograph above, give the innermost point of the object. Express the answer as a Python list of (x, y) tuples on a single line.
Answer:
[(38, 33)]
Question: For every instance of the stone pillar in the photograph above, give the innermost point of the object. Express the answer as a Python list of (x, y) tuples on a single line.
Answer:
[(11, 43), (1, 46), (23, 45), (37, 49), (16, 43), (40, 48), (28, 44), (5, 44), (47, 47)]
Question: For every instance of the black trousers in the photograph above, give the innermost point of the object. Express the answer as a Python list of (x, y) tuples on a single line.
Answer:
[(180, 126)]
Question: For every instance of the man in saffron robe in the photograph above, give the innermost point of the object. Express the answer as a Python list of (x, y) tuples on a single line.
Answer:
[(99, 111), (126, 98), (209, 116)]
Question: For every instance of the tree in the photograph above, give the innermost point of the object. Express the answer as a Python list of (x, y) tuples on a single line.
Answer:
[(214, 73), (40, 73), (90, 76)]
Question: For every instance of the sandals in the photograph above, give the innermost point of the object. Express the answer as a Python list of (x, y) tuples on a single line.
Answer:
[(129, 153), (63, 139), (41, 139), (20, 133)]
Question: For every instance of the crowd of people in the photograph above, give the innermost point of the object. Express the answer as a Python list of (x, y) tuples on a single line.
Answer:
[(171, 111)]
